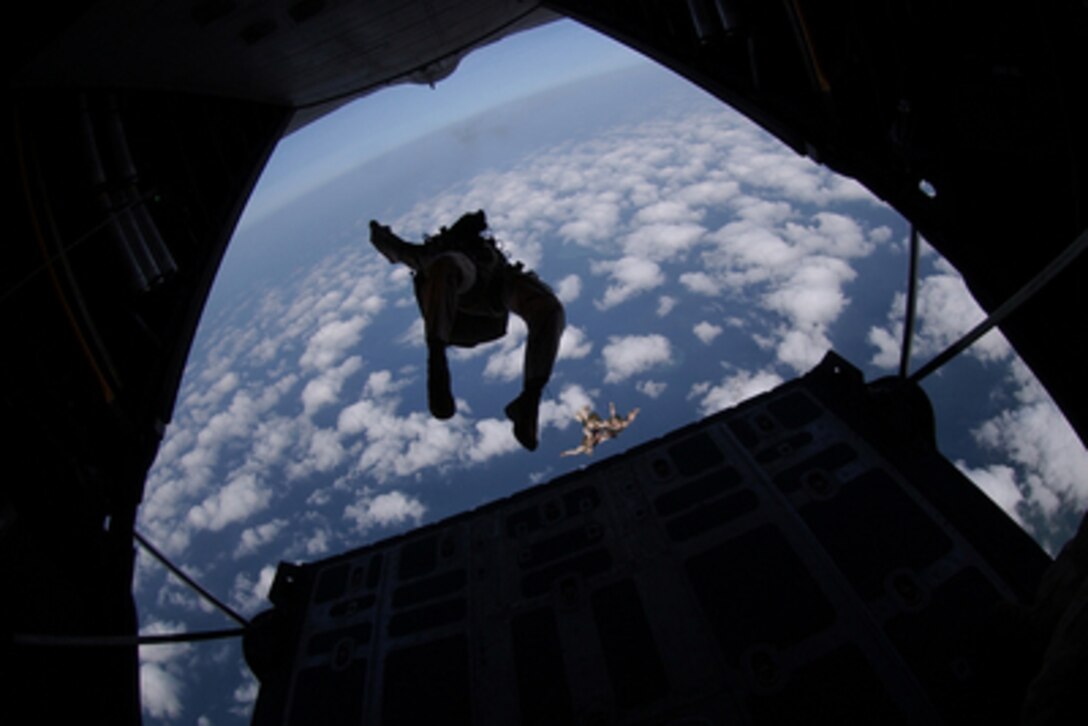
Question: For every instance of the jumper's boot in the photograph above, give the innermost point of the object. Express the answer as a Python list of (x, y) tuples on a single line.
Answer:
[(523, 411)]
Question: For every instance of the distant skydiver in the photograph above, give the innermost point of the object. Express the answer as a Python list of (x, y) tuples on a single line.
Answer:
[(466, 289), (596, 430)]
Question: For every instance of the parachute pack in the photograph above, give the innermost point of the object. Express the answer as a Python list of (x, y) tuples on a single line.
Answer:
[(466, 236)]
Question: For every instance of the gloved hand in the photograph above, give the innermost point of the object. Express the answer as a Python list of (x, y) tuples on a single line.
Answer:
[(383, 240)]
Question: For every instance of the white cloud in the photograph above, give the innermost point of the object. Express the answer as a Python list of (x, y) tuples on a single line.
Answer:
[(383, 510), (569, 288), (233, 423), (325, 388), (746, 253), (318, 542), (758, 213), (733, 389), (271, 441), (595, 217), (559, 412), (667, 212), (506, 363), (880, 235), (700, 283), (326, 451), (661, 242), (630, 276), (713, 192), (251, 594), (381, 383), (160, 692), (414, 336), (214, 393), (494, 438), (625, 356), (889, 348), (176, 594), (245, 695), (161, 683), (1040, 442), (706, 331), (241, 498), (653, 389), (253, 538), (809, 298), (328, 344), (574, 343), (812, 295), (403, 446), (362, 299), (755, 160), (833, 235), (665, 305), (802, 348)]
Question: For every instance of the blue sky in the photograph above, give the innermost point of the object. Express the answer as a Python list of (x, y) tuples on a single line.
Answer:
[(515, 67)]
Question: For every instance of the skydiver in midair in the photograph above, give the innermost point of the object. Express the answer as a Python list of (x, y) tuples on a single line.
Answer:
[(596, 430), (466, 288)]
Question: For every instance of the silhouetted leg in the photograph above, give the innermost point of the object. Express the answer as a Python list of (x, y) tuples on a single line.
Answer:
[(440, 285), (537, 305)]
